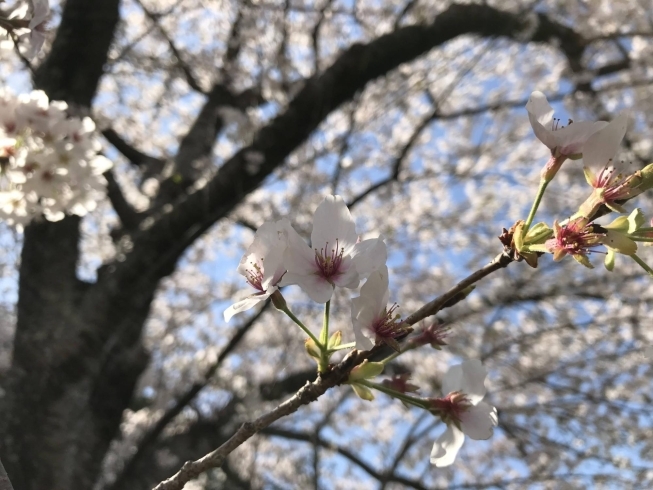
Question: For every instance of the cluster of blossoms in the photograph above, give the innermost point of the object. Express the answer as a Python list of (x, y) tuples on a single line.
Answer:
[(24, 24), (279, 257), (49, 162), (597, 143)]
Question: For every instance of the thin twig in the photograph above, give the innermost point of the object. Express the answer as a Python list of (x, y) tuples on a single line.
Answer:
[(307, 394), (431, 308), (184, 400), (312, 391)]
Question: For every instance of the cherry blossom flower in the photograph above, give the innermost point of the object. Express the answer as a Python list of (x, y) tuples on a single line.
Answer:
[(434, 335), (373, 321), (262, 265), (565, 141), (33, 41), (463, 410), (28, 22), (400, 383), (336, 259), (610, 187), (579, 238)]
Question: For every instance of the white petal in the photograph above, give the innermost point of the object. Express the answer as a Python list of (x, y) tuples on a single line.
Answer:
[(468, 377), (359, 318), (349, 277), (542, 134), (375, 291), (446, 447), (298, 257), (318, 288), (479, 421), (571, 139), (540, 115), (602, 146), (369, 255), (473, 381), (332, 221), (246, 304), (452, 380), (539, 107)]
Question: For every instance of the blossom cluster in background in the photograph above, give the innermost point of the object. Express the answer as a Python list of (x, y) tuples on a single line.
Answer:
[(24, 25), (49, 162)]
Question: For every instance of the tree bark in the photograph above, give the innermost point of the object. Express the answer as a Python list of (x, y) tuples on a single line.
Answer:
[(51, 434)]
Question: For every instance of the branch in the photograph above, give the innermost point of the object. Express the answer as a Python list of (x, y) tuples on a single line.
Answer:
[(299, 436), (311, 391), (444, 301), (5, 484), (183, 66), (161, 245), (127, 214), (153, 434), (131, 153)]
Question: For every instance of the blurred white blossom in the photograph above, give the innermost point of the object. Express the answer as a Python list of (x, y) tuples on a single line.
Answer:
[(50, 164)]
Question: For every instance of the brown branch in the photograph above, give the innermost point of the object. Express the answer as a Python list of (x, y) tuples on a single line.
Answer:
[(499, 262), (155, 431), (310, 392), (183, 66), (127, 214), (5, 484), (299, 436), (131, 153)]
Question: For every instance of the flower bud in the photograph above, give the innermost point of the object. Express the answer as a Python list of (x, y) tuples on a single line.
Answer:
[(312, 349)]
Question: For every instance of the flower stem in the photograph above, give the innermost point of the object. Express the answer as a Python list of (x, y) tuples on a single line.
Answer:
[(350, 345), (290, 314), (636, 238), (324, 339), (391, 357), (642, 264), (536, 204), (411, 400)]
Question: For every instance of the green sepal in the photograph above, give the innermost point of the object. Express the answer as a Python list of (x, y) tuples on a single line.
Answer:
[(312, 349), (538, 247), (366, 370), (538, 233), (635, 220), (589, 176), (583, 259), (617, 208), (335, 340), (363, 392), (609, 260), (619, 242)]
